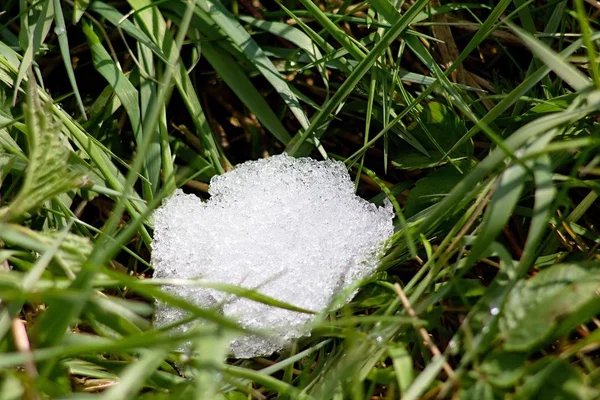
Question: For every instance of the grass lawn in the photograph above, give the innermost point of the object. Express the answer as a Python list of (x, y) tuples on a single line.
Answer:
[(478, 121)]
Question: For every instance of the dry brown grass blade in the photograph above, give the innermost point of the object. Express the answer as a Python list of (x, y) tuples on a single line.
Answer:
[(447, 47), (449, 53), (423, 332)]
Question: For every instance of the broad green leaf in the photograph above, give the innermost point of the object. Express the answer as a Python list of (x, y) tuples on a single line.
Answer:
[(555, 379), (490, 163), (503, 369), (430, 190), (48, 173), (446, 128), (550, 304)]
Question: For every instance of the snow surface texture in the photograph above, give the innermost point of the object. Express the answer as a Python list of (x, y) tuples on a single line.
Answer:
[(290, 228)]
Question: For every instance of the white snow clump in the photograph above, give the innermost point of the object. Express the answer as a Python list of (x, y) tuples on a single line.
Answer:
[(290, 228)]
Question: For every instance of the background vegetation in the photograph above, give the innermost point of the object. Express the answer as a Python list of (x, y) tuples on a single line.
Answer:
[(478, 120)]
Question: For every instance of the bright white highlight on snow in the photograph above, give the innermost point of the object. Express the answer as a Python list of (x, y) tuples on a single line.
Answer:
[(290, 228)]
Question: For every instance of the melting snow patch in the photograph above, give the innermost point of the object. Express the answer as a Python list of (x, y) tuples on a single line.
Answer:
[(290, 228)]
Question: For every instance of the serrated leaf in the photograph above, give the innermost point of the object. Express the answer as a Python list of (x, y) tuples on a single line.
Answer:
[(446, 128), (48, 173), (73, 250)]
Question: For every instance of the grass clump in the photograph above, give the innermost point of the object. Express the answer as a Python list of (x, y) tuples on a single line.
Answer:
[(479, 122)]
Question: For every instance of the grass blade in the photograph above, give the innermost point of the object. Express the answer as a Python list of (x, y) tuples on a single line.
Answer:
[(294, 148), (63, 43)]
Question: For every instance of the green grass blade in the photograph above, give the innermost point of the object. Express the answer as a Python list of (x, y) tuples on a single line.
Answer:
[(79, 8), (63, 43), (34, 41), (56, 321), (119, 20), (295, 36), (124, 90), (265, 380), (227, 68), (554, 61), (339, 35), (254, 53), (493, 161), (424, 379), (134, 376), (545, 194), (590, 45), (350, 83), (155, 26), (158, 150)]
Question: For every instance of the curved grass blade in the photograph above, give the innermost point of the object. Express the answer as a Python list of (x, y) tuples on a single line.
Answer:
[(554, 61), (119, 20), (159, 151), (545, 192)]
